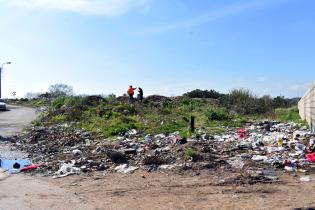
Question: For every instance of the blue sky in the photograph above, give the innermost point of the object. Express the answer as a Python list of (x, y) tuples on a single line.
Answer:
[(165, 46)]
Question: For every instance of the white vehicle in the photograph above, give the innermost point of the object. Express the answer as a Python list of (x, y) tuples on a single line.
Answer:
[(3, 105)]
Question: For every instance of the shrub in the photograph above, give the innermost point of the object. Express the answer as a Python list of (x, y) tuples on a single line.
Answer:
[(57, 103), (264, 105), (218, 114), (242, 101), (203, 94), (125, 109)]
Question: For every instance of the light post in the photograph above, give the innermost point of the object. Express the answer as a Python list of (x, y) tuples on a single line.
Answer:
[(6, 63)]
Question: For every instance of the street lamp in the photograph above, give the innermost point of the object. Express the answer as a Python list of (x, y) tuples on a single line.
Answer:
[(6, 63)]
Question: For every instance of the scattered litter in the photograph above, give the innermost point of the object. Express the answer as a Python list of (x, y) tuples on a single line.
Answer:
[(239, 164), (124, 168), (256, 150), (77, 152), (270, 174), (166, 167), (66, 169), (259, 158), (290, 169), (305, 179), (14, 165), (311, 157), (30, 167)]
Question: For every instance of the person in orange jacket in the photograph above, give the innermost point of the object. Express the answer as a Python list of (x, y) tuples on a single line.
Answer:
[(131, 92)]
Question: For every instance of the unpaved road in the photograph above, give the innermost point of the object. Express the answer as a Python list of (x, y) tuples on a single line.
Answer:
[(26, 192), (162, 191), (15, 120)]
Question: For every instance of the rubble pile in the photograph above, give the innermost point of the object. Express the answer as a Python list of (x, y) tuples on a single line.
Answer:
[(255, 153)]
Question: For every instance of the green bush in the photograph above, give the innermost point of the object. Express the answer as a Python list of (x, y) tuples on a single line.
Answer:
[(219, 114), (203, 94), (125, 109), (58, 102), (242, 101)]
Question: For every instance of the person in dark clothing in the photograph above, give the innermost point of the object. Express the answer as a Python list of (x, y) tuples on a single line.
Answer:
[(140, 94)]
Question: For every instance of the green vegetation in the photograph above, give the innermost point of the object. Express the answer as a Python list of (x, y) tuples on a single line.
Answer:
[(36, 102), (289, 114), (111, 117), (214, 112), (219, 114), (191, 153)]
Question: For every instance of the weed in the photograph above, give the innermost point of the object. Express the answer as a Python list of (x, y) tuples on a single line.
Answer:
[(191, 153), (288, 114)]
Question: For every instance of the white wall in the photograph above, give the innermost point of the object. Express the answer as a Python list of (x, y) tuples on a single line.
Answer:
[(307, 107)]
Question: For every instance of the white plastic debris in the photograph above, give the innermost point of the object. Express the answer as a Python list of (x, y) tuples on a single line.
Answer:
[(77, 152), (124, 168), (66, 169), (305, 179), (166, 167), (300, 147), (259, 158), (148, 139), (237, 163), (87, 142), (132, 132), (290, 169), (160, 136)]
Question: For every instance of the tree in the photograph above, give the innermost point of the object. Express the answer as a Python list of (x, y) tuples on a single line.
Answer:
[(280, 102), (59, 89), (264, 105)]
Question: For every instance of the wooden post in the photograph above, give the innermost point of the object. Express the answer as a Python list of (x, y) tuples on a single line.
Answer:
[(192, 124)]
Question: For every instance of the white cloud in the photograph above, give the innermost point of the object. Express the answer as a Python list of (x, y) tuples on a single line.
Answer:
[(230, 10), (88, 7)]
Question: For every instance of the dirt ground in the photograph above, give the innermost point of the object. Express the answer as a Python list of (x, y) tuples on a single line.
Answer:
[(28, 193), (143, 190)]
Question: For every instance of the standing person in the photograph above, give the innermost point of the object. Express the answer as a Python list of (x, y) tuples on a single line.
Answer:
[(140, 94), (131, 92)]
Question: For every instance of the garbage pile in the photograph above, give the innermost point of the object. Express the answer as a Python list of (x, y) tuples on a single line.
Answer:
[(253, 154)]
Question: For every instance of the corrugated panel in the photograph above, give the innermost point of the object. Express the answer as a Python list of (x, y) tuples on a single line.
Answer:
[(307, 107)]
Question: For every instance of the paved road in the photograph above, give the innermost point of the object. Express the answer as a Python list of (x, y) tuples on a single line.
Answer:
[(15, 119), (25, 192)]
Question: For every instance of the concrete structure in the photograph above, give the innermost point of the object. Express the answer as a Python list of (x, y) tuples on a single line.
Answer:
[(307, 107)]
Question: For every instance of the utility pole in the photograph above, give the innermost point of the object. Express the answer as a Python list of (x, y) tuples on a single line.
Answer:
[(1, 69)]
